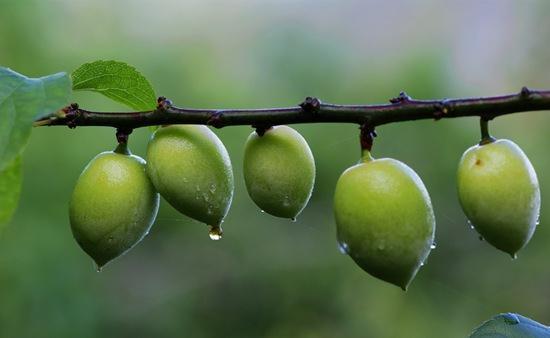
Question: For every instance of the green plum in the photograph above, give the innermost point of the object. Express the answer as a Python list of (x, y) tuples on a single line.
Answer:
[(191, 169), (499, 192), (113, 206), (384, 217), (279, 171)]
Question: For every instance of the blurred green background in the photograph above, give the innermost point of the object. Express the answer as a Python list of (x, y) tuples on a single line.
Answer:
[(270, 277)]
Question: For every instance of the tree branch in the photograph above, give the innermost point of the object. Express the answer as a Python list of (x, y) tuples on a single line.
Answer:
[(401, 108)]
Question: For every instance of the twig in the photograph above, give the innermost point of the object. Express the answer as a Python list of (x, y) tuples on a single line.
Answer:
[(312, 110)]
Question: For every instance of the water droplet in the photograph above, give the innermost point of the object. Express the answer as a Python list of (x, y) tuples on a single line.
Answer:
[(343, 248), (481, 238), (510, 318), (98, 268), (514, 256), (537, 223), (110, 239), (381, 246), (209, 209), (433, 246), (212, 188), (422, 264), (185, 180), (263, 212), (293, 219), (286, 201), (198, 188), (205, 197), (470, 225), (215, 232)]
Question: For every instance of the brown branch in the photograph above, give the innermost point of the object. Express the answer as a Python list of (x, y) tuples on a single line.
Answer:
[(401, 108)]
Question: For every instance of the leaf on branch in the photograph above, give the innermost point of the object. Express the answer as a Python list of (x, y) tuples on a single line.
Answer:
[(10, 189), (511, 325), (118, 81), (22, 100)]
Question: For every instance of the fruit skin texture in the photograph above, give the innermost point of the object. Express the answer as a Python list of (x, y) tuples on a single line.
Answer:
[(113, 206), (499, 192), (191, 169), (384, 219), (279, 171)]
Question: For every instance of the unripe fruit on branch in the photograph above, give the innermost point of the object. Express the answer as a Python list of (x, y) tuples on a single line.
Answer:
[(113, 205), (191, 169), (279, 171), (384, 219), (499, 193)]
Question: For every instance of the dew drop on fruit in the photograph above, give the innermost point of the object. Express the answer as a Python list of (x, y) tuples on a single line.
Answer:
[(433, 246), (514, 256), (343, 248), (511, 319), (481, 238), (293, 219), (263, 212), (286, 201), (470, 225), (212, 188), (215, 232)]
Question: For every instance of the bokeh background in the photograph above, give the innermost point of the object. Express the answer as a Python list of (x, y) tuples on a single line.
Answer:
[(270, 277)]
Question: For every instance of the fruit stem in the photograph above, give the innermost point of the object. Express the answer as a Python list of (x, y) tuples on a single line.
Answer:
[(261, 130), (122, 149), (366, 137), (366, 156), (485, 136), (122, 134)]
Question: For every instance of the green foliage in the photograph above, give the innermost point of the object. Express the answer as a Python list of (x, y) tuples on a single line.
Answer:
[(116, 80), (511, 325), (10, 188), (22, 100)]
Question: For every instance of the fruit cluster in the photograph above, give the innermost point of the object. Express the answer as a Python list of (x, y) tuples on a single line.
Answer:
[(384, 216)]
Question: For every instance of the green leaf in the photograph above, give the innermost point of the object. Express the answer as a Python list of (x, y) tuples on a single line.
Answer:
[(118, 81), (10, 189), (22, 100), (511, 325)]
